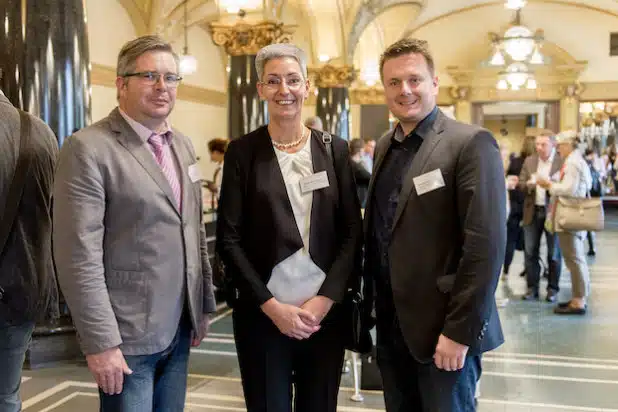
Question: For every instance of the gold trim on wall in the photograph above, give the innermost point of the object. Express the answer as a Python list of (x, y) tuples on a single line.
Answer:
[(102, 75)]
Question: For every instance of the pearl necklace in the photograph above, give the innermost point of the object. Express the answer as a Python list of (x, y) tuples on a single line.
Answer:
[(285, 146)]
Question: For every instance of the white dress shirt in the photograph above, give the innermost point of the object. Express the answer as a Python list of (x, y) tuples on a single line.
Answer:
[(543, 170), (297, 278)]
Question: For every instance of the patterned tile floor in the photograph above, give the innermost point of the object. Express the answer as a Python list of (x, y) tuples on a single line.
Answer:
[(548, 363)]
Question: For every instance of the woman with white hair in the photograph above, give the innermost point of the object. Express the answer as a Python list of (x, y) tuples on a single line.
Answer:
[(575, 182), (289, 233)]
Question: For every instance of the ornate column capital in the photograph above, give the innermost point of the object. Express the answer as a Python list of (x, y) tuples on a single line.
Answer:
[(333, 76), (367, 95), (459, 93), (572, 91), (247, 39)]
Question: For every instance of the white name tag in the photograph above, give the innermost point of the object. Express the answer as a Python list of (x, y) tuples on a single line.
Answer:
[(194, 173), (429, 181), (314, 182)]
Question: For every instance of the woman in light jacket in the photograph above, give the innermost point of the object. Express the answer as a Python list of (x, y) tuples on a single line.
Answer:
[(575, 182)]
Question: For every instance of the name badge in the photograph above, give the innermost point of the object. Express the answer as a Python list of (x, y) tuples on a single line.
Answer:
[(429, 181), (194, 173), (314, 182)]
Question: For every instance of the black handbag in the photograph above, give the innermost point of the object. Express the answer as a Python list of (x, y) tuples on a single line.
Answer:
[(357, 336)]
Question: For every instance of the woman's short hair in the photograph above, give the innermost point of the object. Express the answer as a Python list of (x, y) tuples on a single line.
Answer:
[(218, 145), (279, 50), (356, 146)]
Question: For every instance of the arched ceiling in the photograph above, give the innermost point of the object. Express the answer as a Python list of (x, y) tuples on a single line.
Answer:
[(356, 31)]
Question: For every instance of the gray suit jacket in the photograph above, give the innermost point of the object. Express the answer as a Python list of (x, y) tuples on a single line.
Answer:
[(447, 245), (26, 267), (127, 258), (530, 165)]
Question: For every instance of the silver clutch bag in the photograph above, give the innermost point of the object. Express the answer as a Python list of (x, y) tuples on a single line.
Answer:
[(574, 214)]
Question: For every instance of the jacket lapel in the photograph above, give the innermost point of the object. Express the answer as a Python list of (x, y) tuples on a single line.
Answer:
[(268, 173), (420, 159), (140, 151)]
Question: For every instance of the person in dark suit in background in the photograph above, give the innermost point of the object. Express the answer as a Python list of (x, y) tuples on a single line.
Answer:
[(514, 231), (289, 232), (435, 240), (361, 175)]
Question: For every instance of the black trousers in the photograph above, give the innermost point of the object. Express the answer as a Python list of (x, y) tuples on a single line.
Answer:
[(532, 243), (411, 386), (281, 374), (514, 234)]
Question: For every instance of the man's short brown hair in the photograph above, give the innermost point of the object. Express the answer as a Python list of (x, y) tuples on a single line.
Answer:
[(407, 46), (218, 145)]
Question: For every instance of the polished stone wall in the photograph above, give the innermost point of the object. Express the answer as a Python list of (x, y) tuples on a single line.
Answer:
[(246, 112), (333, 107), (45, 61)]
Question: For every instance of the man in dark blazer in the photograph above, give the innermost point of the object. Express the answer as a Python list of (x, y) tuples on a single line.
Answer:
[(544, 163), (435, 241), (28, 290)]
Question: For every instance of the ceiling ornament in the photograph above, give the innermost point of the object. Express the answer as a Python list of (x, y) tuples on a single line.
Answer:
[(516, 50), (247, 39), (333, 76)]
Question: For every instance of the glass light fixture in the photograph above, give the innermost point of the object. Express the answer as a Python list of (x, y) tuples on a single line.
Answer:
[(531, 84), (502, 85), (370, 73), (517, 74), (323, 58), (515, 4), (537, 57), (497, 59), (188, 64), (519, 42)]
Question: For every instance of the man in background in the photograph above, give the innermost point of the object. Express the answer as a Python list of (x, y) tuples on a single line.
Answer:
[(367, 155), (545, 163), (28, 291)]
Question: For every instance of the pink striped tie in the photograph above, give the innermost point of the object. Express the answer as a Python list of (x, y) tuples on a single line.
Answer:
[(163, 154)]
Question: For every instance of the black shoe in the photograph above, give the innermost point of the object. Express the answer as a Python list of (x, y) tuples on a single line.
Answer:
[(522, 274), (545, 274), (531, 295), (592, 252), (564, 304), (552, 296), (569, 310)]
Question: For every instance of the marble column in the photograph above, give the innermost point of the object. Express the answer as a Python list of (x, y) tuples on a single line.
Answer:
[(44, 58), (242, 41), (569, 107), (333, 100)]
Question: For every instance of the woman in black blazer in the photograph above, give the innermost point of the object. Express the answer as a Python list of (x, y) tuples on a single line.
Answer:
[(289, 234)]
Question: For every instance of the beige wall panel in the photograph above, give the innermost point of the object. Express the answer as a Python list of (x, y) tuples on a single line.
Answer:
[(109, 27)]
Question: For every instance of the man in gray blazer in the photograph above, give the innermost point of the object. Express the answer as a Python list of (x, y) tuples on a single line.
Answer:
[(129, 242), (28, 291), (435, 241), (545, 163)]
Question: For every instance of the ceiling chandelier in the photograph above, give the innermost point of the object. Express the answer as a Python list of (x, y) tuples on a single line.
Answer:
[(516, 49), (188, 62)]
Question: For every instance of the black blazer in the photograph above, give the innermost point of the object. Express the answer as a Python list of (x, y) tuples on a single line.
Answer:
[(447, 245), (256, 228)]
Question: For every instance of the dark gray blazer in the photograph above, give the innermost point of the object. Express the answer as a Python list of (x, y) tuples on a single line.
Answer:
[(127, 258), (26, 267), (448, 244)]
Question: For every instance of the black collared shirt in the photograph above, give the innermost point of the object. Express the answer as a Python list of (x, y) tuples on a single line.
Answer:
[(385, 199)]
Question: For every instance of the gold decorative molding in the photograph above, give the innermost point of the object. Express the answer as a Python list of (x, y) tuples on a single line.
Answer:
[(247, 39), (367, 95), (333, 76), (102, 75), (599, 91), (459, 93)]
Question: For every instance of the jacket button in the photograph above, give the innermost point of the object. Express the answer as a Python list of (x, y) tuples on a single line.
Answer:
[(1, 294)]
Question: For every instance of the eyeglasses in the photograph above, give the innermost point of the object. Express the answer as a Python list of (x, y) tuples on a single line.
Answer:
[(152, 78), (275, 84)]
